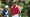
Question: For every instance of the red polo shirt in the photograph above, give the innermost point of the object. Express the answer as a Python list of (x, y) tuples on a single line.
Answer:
[(14, 10)]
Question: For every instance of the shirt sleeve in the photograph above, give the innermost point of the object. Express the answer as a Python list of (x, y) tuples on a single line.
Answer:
[(19, 9)]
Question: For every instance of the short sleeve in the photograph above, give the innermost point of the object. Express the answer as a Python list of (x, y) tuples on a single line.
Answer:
[(19, 9)]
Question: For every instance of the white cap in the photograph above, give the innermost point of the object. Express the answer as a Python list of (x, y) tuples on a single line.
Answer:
[(6, 6), (14, 1)]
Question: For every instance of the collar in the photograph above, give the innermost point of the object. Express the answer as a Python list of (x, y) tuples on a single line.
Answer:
[(15, 6)]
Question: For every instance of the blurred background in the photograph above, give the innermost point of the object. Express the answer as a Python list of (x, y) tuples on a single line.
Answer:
[(25, 6)]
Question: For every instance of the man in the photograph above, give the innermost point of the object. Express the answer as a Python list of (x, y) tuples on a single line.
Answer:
[(4, 12), (15, 10)]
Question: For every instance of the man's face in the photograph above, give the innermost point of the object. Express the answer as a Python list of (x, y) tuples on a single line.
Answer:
[(14, 4), (5, 9)]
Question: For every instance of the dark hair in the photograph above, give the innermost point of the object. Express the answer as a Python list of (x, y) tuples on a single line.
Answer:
[(15, 2)]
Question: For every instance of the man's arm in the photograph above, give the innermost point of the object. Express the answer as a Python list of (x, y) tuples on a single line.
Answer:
[(19, 11)]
